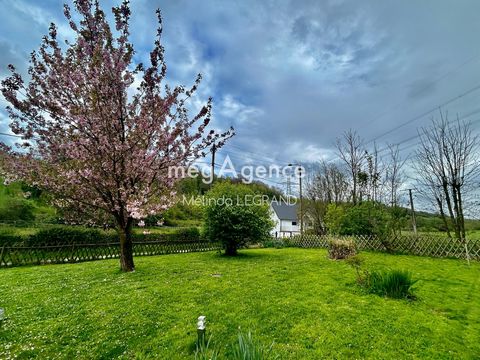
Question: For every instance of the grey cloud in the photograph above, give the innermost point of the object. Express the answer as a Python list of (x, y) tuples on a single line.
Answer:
[(304, 71), (420, 88)]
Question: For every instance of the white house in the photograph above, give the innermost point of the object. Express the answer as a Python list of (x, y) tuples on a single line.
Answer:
[(286, 219)]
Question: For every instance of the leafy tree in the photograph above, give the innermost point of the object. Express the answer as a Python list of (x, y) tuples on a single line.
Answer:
[(92, 139), (366, 218), (334, 218), (234, 216), (193, 186), (397, 219), (260, 188)]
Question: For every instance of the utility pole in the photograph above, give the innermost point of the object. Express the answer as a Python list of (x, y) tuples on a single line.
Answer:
[(414, 220), (214, 150), (301, 196), (301, 201), (289, 186)]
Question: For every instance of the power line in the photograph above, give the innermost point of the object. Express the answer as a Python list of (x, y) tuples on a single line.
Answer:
[(261, 158), (475, 88), (419, 142), (418, 135), (243, 157), (426, 87), (471, 90), (256, 156)]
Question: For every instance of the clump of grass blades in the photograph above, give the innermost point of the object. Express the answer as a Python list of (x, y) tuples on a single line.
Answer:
[(249, 349), (206, 352), (246, 349), (395, 284)]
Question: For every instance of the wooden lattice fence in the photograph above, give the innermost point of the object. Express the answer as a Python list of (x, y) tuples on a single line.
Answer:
[(423, 245), (70, 253)]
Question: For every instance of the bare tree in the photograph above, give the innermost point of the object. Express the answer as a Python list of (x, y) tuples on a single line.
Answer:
[(394, 174), (330, 184), (374, 171), (448, 163), (327, 185), (352, 152)]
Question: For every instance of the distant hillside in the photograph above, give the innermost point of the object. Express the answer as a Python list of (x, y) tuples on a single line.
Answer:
[(19, 202), (429, 222)]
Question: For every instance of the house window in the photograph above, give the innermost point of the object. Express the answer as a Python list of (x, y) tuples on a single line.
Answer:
[(294, 223)]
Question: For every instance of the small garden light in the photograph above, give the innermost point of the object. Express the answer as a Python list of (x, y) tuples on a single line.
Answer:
[(201, 328), (2, 315)]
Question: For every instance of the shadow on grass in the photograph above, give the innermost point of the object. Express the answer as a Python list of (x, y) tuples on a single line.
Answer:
[(243, 254)]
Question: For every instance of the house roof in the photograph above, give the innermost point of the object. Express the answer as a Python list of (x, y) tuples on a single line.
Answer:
[(285, 211)]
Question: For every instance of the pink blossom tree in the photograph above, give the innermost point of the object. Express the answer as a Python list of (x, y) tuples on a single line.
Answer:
[(91, 138)]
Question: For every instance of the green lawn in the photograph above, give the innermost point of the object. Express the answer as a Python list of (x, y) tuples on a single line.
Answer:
[(307, 305)]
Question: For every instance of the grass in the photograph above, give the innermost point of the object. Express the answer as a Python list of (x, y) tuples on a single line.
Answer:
[(473, 234), (307, 306), (396, 284)]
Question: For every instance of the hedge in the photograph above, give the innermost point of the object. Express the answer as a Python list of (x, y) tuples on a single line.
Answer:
[(60, 235)]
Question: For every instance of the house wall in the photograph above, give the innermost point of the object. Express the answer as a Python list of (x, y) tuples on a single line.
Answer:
[(286, 226), (283, 228)]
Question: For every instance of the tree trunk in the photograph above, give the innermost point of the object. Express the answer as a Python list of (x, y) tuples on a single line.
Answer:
[(443, 216), (449, 207), (458, 232), (461, 218), (354, 191), (126, 247), (231, 248)]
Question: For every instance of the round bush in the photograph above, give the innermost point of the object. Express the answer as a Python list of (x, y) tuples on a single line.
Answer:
[(235, 217)]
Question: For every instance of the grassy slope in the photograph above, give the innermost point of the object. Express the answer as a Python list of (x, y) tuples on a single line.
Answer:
[(41, 211), (305, 303)]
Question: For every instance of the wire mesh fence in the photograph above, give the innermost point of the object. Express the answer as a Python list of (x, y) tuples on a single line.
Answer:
[(17, 254), (422, 245), (74, 252)]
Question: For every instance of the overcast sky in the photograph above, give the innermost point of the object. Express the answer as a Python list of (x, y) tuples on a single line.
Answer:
[(292, 76)]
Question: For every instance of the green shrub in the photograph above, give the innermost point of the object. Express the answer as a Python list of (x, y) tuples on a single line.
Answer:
[(188, 233), (12, 239), (277, 243), (182, 211), (367, 218), (334, 218), (234, 219), (60, 235), (33, 191), (341, 249), (14, 209), (356, 261), (395, 284)]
